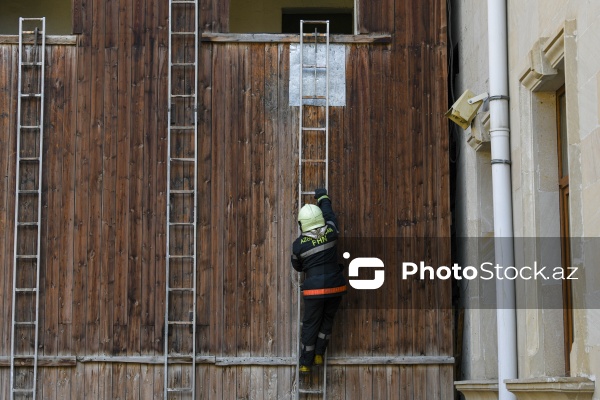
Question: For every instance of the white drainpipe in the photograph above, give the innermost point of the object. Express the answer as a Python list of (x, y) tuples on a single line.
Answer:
[(502, 193)]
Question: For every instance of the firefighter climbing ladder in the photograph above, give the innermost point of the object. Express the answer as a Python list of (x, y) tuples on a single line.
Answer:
[(315, 40), (28, 210), (182, 196)]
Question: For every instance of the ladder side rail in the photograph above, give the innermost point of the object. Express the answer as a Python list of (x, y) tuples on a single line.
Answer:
[(16, 221), (326, 109), (298, 299), (195, 208), (300, 112), (316, 43), (39, 200), (168, 203)]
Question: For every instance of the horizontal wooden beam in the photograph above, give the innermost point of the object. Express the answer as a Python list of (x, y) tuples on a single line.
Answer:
[(69, 40), (43, 361), (228, 361), (71, 361), (144, 359), (405, 360), (289, 38)]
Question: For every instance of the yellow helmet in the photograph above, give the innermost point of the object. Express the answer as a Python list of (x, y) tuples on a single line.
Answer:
[(310, 217)]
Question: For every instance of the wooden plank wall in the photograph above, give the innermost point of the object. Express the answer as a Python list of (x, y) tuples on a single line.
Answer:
[(104, 204)]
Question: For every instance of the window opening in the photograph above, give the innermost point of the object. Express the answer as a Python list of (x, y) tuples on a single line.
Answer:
[(283, 16), (340, 20), (57, 13)]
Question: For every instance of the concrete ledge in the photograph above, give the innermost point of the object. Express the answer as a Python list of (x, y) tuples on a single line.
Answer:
[(478, 390), (559, 388)]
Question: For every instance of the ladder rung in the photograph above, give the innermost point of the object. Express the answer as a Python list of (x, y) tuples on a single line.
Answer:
[(182, 127), (314, 66), (25, 290), (183, 33), (314, 129), (31, 95), (181, 322), (181, 223), (315, 21), (313, 160), (182, 191), (308, 192), (28, 223), (29, 191), (29, 159), (183, 159), (181, 257), (183, 95), (15, 390), (31, 64), (27, 256), (315, 97), (311, 391), (180, 390), (183, 289), (185, 64), (41, 32), (313, 34), (25, 322), (31, 126)]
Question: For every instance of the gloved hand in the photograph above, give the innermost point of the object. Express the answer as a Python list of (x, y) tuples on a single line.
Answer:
[(320, 194)]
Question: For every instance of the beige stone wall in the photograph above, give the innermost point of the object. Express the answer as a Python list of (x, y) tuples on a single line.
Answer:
[(534, 172), (474, 213)]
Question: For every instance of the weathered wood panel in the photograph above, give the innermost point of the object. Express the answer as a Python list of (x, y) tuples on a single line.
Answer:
[(104, 214)]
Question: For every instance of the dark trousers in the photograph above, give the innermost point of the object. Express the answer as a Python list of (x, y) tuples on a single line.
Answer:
[(317, 324)]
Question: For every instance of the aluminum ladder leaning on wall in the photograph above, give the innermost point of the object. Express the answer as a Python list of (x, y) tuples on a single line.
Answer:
[(319, 72), (182, 200), (28, 210)]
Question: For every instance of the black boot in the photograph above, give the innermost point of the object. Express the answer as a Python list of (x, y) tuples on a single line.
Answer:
[(306, 358)]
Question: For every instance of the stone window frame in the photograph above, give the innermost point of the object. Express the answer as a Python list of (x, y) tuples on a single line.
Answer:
[(547, 56)]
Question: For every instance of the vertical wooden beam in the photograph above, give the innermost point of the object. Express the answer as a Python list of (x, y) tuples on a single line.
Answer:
[(271, 206), (258, 265), (232, 153), (109, 200), (287, 128), (205, 206), (219, 62)]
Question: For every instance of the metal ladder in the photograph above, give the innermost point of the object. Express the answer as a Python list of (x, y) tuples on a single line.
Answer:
[(315, 98), (28, 211), (182, 200)]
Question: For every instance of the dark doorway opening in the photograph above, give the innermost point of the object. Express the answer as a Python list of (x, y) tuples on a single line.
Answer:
[(340, 20)]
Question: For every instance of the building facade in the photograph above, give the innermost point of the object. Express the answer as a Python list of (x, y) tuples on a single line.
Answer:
[(554, 89), (104, 193)]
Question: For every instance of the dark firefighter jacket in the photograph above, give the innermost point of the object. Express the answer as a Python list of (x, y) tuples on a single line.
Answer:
[(315, 254)]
